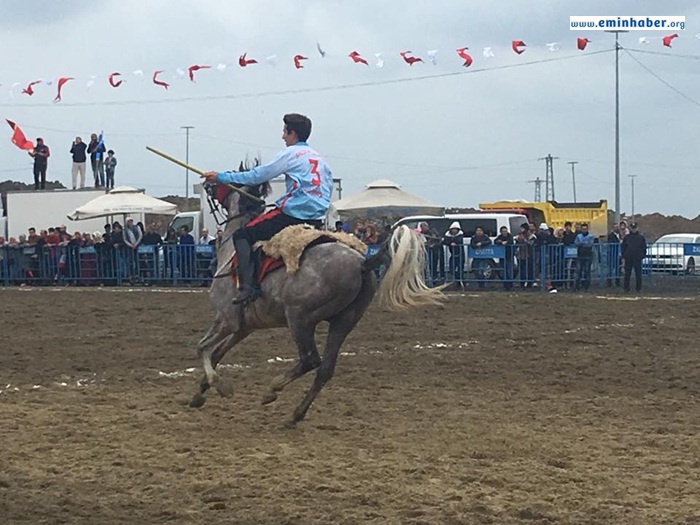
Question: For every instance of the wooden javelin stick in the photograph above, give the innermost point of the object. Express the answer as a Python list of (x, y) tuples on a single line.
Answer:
[(173, 159), (200, 172)]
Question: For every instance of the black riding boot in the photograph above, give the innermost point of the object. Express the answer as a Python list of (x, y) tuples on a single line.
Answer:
[(247, 288)]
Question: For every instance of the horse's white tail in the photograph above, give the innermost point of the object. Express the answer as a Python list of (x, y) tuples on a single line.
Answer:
[(403, 284)]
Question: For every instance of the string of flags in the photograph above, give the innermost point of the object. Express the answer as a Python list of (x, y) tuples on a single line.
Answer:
[(115, 79)]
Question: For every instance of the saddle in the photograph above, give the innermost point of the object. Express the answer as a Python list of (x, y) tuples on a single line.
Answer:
[(264, 264), (286, 248)]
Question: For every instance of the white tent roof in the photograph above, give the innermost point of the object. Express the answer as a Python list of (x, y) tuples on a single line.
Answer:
[(384, 198), (122, 200)]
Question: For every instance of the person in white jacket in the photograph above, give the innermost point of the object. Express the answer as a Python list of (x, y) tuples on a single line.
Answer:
[(132, 238)]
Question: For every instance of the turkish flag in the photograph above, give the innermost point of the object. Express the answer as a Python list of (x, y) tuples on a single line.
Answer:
[(18, 138)]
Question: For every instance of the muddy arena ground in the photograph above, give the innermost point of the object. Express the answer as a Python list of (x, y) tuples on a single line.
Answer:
[(493, 408)]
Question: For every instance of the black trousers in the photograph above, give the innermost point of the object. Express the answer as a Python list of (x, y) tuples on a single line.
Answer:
[(267, 225), (631, 264), (39, 176)]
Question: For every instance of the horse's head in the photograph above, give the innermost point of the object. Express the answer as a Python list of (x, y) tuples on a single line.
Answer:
[(249, 201)]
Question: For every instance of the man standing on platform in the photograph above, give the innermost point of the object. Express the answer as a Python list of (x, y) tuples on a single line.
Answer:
[(41, 155), (79, 159)]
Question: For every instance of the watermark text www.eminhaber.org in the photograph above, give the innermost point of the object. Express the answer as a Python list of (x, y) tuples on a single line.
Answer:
[(628, 23)]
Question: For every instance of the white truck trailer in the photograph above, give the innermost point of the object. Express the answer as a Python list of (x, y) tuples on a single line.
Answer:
[(46, 209)]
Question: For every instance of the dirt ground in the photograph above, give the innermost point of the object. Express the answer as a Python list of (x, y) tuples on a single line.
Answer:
[(496, 408)]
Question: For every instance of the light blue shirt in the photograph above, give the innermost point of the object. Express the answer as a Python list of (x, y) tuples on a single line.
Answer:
[(585, 240), (309, 181)]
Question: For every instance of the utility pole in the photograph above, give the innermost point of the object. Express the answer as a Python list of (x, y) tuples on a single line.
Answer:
[(573, 175), (549, 177), (538, 188), (632, 177), (187, 159), (617, 121)]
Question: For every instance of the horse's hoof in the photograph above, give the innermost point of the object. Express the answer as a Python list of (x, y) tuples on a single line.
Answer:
[(224, 389), (197, 401), (269, 398), (290, 425)]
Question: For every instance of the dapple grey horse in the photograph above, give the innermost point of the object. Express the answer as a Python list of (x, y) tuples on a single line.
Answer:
[(334, 283)]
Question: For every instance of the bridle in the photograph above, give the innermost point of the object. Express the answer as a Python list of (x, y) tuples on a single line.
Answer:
[(215, 202)]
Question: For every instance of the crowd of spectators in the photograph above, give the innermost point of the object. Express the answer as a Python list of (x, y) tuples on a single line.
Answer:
[(135, 253), (129, 252), (533, 255), (530, 254)]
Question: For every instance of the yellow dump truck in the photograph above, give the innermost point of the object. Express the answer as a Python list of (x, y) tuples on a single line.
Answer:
[(557, 213)]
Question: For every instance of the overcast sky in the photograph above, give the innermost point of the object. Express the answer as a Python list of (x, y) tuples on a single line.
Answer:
[(457, 140)]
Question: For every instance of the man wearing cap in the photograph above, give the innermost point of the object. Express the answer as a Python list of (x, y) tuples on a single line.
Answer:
[(41, 155), (634, 249)]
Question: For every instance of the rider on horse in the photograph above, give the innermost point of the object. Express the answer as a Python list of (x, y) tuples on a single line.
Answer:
[(309, 184)]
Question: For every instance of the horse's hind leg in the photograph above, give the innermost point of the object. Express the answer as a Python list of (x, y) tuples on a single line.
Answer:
[(340, 326), (308, 360)]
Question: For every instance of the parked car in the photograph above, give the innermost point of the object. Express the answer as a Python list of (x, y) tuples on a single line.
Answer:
[(674, 253)]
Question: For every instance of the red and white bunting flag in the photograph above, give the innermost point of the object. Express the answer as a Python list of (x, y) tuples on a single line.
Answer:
[(516, 46), (243, 61), (297, 61), (159, 82), (112, 82), (410, 60), (61, 82), (462, 52), (668, 38), (357, 58), (193, 68)]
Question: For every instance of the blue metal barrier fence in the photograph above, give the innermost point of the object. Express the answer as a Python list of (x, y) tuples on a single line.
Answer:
[(553, 266), (107, 265)]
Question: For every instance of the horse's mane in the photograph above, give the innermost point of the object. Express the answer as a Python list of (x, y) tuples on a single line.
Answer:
[(261, 190)]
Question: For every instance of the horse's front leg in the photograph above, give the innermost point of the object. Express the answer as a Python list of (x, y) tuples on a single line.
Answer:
[(210, 343)]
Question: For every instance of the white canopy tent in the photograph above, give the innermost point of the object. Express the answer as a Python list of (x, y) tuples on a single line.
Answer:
[(384, 198), (122, 200)]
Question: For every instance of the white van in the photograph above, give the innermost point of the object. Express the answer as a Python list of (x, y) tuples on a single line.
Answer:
[(490, 222)]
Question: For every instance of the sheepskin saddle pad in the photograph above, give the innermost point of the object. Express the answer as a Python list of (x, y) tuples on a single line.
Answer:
[(290, 243)]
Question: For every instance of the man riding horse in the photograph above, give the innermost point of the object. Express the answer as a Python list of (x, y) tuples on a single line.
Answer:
[(309, 184)]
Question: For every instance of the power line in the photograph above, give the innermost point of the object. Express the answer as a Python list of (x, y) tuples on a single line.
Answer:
[(83, 132), (657, 77), (312, 89), (646, 164), (386, 162), (674, 55)]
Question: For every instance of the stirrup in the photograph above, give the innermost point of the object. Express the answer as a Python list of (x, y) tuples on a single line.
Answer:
[(246, 295)]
